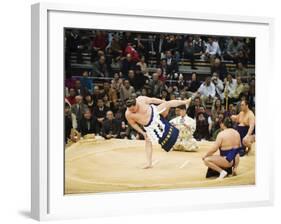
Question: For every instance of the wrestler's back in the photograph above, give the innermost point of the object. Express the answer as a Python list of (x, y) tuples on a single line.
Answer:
[(230, 139)]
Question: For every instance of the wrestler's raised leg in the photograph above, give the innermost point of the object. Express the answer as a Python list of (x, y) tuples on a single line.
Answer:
[(165, 113), (163, 107)]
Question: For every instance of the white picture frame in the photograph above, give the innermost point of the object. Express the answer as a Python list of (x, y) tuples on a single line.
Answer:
[(48, 201)]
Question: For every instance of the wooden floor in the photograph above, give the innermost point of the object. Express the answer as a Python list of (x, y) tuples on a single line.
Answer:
[(115, 165)]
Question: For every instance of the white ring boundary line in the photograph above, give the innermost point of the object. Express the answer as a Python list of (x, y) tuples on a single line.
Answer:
[(184, 164), (155, 162)]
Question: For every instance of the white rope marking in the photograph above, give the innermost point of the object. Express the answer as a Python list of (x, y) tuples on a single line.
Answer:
[(155, 162), (184, 164)]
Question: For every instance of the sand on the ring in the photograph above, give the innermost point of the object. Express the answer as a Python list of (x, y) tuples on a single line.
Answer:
[(115, 165)]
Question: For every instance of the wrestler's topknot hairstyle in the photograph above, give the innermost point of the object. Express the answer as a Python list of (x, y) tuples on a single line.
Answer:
[(227, 122), (131, 102)]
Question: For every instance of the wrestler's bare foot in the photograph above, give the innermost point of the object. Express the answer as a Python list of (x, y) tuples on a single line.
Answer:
[(147, 166)]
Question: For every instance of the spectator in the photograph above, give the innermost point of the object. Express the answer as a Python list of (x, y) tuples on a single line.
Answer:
[(170, 90), (132, 79), (207, 91), (249, 48), (171, 64), (74, 42), (111, 127), (107, 103), (124, 130), (198, 46), (119, 109), (109, 60), (217, 109), (86, 83), (141, 79), (183, 95), (141, 46), (181, 83), (163, 67), (160, 46), (88, 124), (126, 91), (179, 46), (164, 95), (100, 112), (156, 85), (231, 110), (216, 125), (127, 38), (218, 86), (161, 76), (110, 92), (203, 125), (193, 109), (67, 122), (100, 68), (79, 108), (116, 82), (219, 68), (127, 64), (132, 51), (99, 43), (186, 126), (239, 88), (233, 48), (78, 88), (171, 44), (96, 95), (71, 97), (230, 89), (143, 66), (188, 51), (144, 92), (242, 72), (116, 48), (69, 83), (212, 49), (194, 84), (89, 102)]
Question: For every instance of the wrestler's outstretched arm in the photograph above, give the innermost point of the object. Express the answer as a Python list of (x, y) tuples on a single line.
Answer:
[(152, 100), (173, 103), (148, 144)]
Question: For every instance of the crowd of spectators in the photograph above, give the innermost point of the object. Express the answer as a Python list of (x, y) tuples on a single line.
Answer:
[(94, 98)]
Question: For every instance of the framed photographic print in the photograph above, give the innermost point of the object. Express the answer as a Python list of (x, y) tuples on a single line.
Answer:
[(140, 111)]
